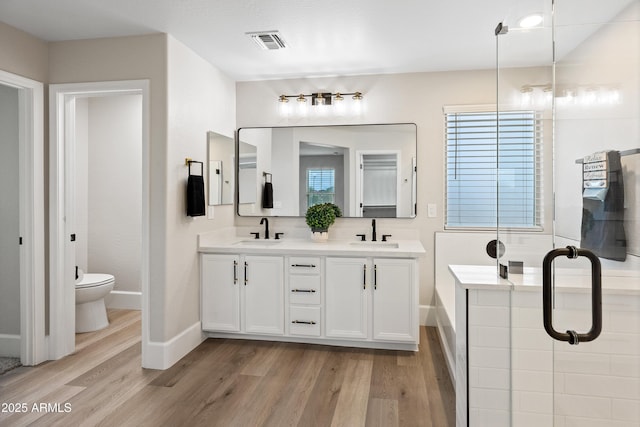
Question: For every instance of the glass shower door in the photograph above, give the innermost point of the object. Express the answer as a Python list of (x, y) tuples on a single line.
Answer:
[(586, 168)]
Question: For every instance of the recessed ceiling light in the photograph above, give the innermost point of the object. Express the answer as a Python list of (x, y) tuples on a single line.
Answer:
[(530, 21)]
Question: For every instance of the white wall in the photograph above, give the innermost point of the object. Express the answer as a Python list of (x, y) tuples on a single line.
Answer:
[(109, 187), (200, 99), (9, 213), (398, 98)]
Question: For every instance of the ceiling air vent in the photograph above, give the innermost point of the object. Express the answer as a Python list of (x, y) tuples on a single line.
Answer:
[(268, 40)]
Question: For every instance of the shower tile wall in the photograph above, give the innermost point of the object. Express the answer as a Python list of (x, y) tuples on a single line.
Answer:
[(596, 383)]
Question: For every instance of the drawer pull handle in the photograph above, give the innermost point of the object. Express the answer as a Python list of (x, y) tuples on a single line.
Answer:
[(304, 265), (235, 272), (313, 291), (304, 322)]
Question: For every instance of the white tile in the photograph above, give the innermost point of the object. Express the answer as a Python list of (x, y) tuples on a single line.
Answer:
[(570, 361), (493, 418), (531, 339), (541, 403), (532, 381), (602, 386), (532, 360), (628, 366), (527, 318), (582, 406), (484, 398), (489, 316), (626, 410), (494, 298), (527, 300), (494, 378), (593, 422), (527, 419), (486, 336), (623, 321), (486, 357)]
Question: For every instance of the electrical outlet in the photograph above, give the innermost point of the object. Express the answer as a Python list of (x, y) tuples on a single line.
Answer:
[(432, 210)]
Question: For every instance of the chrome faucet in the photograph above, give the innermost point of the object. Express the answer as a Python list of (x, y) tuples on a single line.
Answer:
[(373, 232), (265, 221)]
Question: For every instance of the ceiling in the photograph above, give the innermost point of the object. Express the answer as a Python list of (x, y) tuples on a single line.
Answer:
[(325, 38)]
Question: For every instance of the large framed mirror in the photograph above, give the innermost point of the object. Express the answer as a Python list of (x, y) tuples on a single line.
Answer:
[(367, 170), (221, 154)]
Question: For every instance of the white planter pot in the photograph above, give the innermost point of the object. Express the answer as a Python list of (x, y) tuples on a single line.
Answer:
[(320, 236)]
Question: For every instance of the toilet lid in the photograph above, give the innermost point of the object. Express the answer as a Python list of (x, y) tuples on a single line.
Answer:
[(95, 279)]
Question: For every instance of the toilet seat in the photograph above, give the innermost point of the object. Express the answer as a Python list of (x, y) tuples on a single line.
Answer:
[(90, 280)]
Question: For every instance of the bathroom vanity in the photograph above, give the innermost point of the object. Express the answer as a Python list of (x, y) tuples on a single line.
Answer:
[(346, 293)]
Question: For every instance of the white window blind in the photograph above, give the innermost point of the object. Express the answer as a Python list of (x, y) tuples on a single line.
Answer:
[(321, 187), (478, 145)]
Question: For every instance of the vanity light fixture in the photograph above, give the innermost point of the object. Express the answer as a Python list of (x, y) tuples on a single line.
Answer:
[(322, 100)]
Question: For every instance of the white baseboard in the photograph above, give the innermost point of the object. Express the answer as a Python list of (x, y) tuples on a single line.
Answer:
[(162, 355), (427, 315), (9, 345), (124, 300)]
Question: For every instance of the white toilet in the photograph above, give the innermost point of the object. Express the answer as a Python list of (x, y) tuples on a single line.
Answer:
[(91, 313)]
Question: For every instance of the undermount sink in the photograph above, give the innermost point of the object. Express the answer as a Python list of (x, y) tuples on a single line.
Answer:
[(257, 242), (386, 245)]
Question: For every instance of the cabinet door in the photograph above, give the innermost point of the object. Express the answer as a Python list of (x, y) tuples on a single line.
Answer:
[(395, 310), (263, 294), (220, 293), (347, 286)]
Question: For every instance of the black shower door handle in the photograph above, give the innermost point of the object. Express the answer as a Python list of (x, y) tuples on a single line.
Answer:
[(572, 337)]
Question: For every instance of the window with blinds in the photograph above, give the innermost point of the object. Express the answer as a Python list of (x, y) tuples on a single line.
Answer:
[(321, 187), (478, 145)]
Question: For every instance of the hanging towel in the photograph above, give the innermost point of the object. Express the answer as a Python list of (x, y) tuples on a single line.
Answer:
[(267, 196), (195, 195), (603, 213)]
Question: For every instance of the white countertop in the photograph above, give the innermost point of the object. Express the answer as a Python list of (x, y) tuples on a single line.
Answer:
[(566, 279), (213, 243)]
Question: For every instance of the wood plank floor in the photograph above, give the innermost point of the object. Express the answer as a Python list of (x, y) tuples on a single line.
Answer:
[(231, 383)]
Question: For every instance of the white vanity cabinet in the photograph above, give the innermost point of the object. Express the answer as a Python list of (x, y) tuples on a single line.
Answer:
[(263, 303), (376, 296), (220, 298), (346, 302), (247, 287), (335, 293), (395, 300)]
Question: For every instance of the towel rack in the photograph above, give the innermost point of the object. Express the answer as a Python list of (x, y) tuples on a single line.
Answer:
[(189, 162)]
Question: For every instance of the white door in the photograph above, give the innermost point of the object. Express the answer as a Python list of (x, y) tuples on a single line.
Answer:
[(347, 283), (263, 285), (220, 293), (394, 300)]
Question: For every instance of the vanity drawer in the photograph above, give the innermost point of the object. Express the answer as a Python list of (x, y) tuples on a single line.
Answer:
[(304, 321), (304, 289), (304, 265)]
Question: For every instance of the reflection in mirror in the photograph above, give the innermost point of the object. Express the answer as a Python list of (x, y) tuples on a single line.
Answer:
[(367, 170), (221, 176)]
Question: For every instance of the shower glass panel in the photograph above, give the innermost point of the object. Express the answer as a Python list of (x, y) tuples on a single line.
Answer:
[(567, 177)]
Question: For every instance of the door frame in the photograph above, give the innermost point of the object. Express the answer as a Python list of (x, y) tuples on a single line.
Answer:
[(31, 208), (359, 185), (62, 205)]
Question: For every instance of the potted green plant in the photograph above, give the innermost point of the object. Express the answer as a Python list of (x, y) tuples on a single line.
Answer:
[(319, 217)]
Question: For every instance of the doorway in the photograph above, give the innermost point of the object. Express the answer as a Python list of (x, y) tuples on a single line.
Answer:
[(23, 294), (66, 100)]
